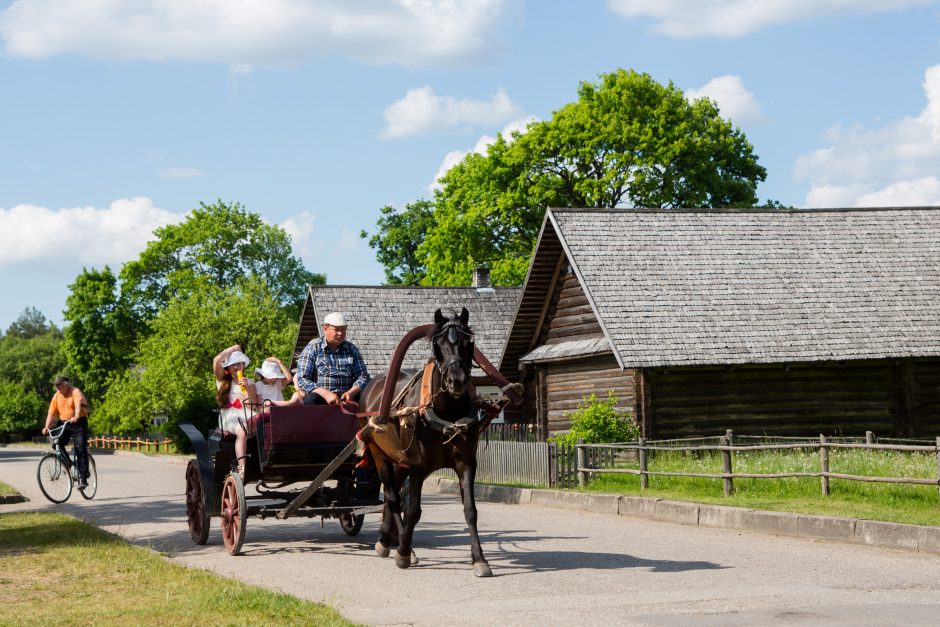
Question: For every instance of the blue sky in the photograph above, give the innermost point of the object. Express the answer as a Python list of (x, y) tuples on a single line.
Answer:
[(120, 116)]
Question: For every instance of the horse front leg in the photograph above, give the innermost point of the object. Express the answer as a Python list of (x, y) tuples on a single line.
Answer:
[(467, 473), (391, 515), (405, 556)]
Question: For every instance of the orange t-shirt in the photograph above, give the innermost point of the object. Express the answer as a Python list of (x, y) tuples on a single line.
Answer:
[(64, 406)]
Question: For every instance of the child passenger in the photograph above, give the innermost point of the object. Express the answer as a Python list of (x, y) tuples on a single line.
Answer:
[(273, 377), (233, 391)]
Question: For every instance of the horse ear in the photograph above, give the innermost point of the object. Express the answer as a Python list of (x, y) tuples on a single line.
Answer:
[(439, 317), (464, 316)]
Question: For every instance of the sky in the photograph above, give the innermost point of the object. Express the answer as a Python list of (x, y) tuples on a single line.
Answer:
[(118, 117)]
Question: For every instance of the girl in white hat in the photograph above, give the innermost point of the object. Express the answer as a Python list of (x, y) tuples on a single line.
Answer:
[(233, 391), (273, 376)]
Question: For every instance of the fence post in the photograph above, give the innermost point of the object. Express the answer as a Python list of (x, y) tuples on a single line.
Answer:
[(938, 461), (824, 464), (641, 453), (726, 466), (869, 437), (582, 462), (730, 435)]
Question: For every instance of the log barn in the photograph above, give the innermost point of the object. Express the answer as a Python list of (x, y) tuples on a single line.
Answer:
[(380, 316), (783, 322)]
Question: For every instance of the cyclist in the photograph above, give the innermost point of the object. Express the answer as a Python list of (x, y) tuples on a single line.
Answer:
[(70, 406)]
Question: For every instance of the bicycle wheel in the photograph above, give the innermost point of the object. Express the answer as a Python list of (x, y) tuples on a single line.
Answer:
[(89, 491), (55, 481)]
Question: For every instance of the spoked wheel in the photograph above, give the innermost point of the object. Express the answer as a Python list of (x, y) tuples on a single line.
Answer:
[(233, 513), (196, 513), (92, 488), (55, 481), (351, 523)]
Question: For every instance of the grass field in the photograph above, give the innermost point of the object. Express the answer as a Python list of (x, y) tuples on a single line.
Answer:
[(57, 570), (913, 504)]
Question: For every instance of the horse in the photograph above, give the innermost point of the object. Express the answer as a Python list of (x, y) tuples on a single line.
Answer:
[(442, 434)]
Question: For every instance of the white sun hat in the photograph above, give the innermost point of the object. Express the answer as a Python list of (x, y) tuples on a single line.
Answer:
[(269, 370), (235, 357), (335, 319)]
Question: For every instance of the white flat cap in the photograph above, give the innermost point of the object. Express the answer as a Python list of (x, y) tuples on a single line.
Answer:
[(335, 319)]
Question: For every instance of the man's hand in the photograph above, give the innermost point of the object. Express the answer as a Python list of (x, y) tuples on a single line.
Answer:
[(73, 419), (330, 397), (45, 430)]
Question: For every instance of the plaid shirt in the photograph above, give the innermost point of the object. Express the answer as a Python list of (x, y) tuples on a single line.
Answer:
[(336, 370)]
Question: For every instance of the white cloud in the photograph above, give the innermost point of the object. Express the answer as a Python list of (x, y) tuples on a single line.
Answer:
[(422, 111), (454, 157), (301, 228), (685, 19), (733, 98), (180, 173), (80, 236), (888, 166), (245, 33)]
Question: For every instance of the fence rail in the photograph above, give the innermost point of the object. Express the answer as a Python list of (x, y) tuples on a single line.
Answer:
[(132, 443), (586, 454)]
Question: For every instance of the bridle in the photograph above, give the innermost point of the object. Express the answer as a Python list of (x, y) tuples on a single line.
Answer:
[(453, 329)]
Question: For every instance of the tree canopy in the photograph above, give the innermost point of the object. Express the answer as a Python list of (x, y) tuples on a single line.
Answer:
[(626, 141), (31, 356), (218, 243), (397, 240)]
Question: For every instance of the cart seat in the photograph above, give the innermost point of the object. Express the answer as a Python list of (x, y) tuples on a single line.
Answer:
[(303, 435)]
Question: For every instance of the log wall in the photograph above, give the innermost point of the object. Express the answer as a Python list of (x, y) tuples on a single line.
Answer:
[(567, 383), (570, 316), (890, 397)]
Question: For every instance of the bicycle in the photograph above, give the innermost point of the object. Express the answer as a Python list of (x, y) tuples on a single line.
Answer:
[(58, 472)]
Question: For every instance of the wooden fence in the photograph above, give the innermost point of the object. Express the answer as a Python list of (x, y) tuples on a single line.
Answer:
[(516, 463), (147, 444), (586, 456)]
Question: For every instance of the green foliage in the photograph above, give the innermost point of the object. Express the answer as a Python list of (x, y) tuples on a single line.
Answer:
[(20, 410), (30, 323), (32, 363), (598, 421), (100, 334), (173, 372), (218, 243), (626, 141), (397, 240)]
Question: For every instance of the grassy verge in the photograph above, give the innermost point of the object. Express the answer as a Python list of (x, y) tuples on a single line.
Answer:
[(912, 504), (6, 490), (55, 569)]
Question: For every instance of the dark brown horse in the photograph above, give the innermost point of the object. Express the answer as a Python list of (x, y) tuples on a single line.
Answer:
[(442, 435)]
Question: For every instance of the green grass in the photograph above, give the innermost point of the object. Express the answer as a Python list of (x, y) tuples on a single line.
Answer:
[(913, 504), (6, 490), (55, 569)]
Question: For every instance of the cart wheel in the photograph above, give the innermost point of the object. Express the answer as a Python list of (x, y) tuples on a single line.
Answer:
[(351, 523), (196, 513), (233, 513)]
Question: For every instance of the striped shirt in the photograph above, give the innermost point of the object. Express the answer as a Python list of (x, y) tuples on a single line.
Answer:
[(336, 370)]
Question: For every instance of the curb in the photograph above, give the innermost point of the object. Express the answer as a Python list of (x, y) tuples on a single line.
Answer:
[(12, 498), (917, 538)]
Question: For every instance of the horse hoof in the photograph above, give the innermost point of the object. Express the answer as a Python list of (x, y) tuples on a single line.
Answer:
[(482, 569), (381, 550), (402, 561)]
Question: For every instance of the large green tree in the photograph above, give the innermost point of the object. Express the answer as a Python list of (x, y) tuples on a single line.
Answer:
[(626, 141), (221, 243), (100, 332), (397, 239), (173, 365)]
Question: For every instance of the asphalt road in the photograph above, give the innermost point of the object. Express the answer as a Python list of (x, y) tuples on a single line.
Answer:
[(550, 565)]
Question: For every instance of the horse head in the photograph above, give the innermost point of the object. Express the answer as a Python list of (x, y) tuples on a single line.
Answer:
[(452, 343)]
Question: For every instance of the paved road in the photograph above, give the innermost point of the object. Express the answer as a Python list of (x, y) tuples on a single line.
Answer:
[(550, 565)]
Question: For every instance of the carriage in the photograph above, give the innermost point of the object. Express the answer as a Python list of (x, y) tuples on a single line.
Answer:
[(415, 422), (287, 446)]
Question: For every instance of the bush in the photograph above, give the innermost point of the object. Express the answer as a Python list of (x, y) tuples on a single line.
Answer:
[(598, 421)]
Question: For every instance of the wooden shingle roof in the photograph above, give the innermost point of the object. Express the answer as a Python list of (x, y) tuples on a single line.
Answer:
[(380, 316), (746, 286)]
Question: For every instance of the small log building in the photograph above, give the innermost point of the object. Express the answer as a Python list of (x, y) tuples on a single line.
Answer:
[(793, 322)]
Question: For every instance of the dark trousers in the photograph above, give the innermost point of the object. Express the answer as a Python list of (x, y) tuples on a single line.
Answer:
[(313, 398), (78, 433)]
